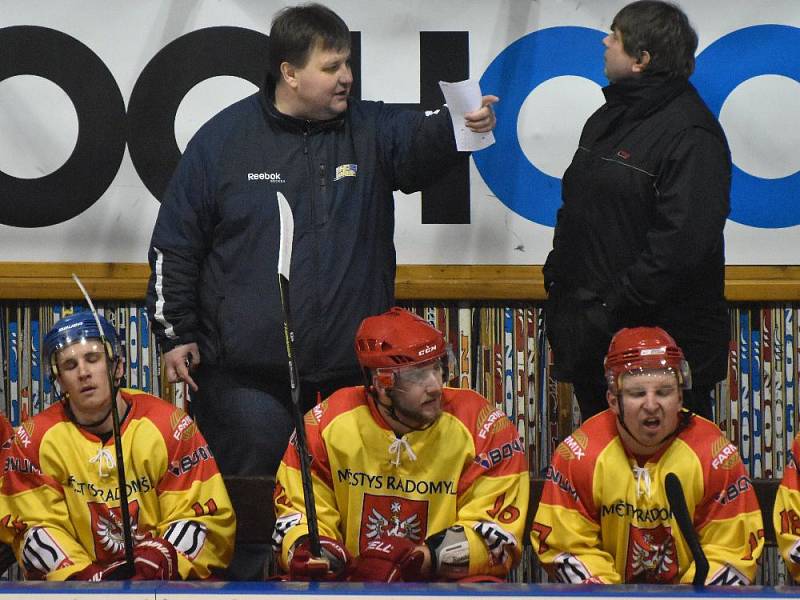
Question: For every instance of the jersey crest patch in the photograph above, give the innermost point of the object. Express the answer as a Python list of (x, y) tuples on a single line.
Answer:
[(652, 557), (109, 542), (384, 516)]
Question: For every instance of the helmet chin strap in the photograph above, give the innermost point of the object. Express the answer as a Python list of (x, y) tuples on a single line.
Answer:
[(75, 420)]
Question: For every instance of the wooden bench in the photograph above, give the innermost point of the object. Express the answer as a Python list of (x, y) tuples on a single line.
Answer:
[(252, 499)]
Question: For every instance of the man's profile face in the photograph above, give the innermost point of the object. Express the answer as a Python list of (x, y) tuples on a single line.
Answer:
[(417, 393), (323, 84), (618, 63)]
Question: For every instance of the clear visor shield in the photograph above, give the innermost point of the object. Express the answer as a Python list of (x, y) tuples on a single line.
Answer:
[(682, 375), (436, 370), (77, 337), (65, 341)]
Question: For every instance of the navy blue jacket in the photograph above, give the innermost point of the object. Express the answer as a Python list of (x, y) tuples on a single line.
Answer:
[(214, 249)]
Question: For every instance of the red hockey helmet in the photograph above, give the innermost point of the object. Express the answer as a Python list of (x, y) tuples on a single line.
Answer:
[(395, 340), (637, 349)]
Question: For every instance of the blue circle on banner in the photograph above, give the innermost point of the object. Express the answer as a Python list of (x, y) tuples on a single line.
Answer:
[(525, 64), (770, 50)]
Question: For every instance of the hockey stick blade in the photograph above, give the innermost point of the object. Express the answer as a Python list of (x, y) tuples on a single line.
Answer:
[(127, 571), (677, 504), (284, 264), (287, 236)]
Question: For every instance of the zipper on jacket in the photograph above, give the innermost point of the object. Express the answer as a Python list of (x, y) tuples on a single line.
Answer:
[(322, 179)]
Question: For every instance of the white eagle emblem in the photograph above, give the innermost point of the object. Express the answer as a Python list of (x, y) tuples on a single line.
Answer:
[(109, 533), (379, 526), (655, 560)]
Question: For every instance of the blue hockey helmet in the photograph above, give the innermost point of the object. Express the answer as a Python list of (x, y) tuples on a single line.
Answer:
[(74, 328)]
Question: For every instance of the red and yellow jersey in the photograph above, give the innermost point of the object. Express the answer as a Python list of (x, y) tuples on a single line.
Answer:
[(60, 500), (6, 433), (6, 443), (786, 516), (604, 516), (467, 469)]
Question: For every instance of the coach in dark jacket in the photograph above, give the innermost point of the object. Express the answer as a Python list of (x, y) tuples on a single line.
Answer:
[(639, 237), (213, 295)]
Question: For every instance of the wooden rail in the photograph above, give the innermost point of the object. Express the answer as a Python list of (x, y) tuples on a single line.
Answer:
[(128, 281)]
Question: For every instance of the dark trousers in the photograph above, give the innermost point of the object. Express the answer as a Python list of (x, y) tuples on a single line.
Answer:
[(247, 426), (591, 398)]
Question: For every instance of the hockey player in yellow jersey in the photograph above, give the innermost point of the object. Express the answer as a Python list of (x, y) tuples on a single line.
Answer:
[(60, 501), (786, 515), (604, 516), (6, 442), (412, 480)]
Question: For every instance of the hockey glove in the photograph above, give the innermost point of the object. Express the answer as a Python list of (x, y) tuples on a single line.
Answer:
[(97, 572), (389, 559), (331, 566), (155, 558)]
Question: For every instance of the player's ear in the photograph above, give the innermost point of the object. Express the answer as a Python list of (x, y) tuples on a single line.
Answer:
[(119, 370), (613, 402)]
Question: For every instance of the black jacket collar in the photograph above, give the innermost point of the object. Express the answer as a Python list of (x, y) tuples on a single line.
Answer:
[(644, 95)]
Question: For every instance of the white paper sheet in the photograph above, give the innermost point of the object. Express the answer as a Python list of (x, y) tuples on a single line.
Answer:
[(463, 97)]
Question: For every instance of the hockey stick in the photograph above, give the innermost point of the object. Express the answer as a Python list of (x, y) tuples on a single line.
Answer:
[(126, 571), (677, 503), (284, 264)]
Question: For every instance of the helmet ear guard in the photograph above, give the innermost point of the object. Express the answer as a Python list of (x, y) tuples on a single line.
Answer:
[(385, 380)]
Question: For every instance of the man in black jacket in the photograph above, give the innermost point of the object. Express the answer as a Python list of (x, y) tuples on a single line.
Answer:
[(639, 237), (213, 294)]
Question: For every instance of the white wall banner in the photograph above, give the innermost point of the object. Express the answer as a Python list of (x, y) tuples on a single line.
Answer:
[(99, 97)]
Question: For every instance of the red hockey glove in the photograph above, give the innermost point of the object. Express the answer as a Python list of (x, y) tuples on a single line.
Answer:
[(331, 566), (97, 572), (389, 559), (155, 558)]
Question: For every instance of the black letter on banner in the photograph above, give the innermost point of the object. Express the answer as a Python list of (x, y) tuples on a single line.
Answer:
[(82, 180), (444, 56), (168, 77)]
